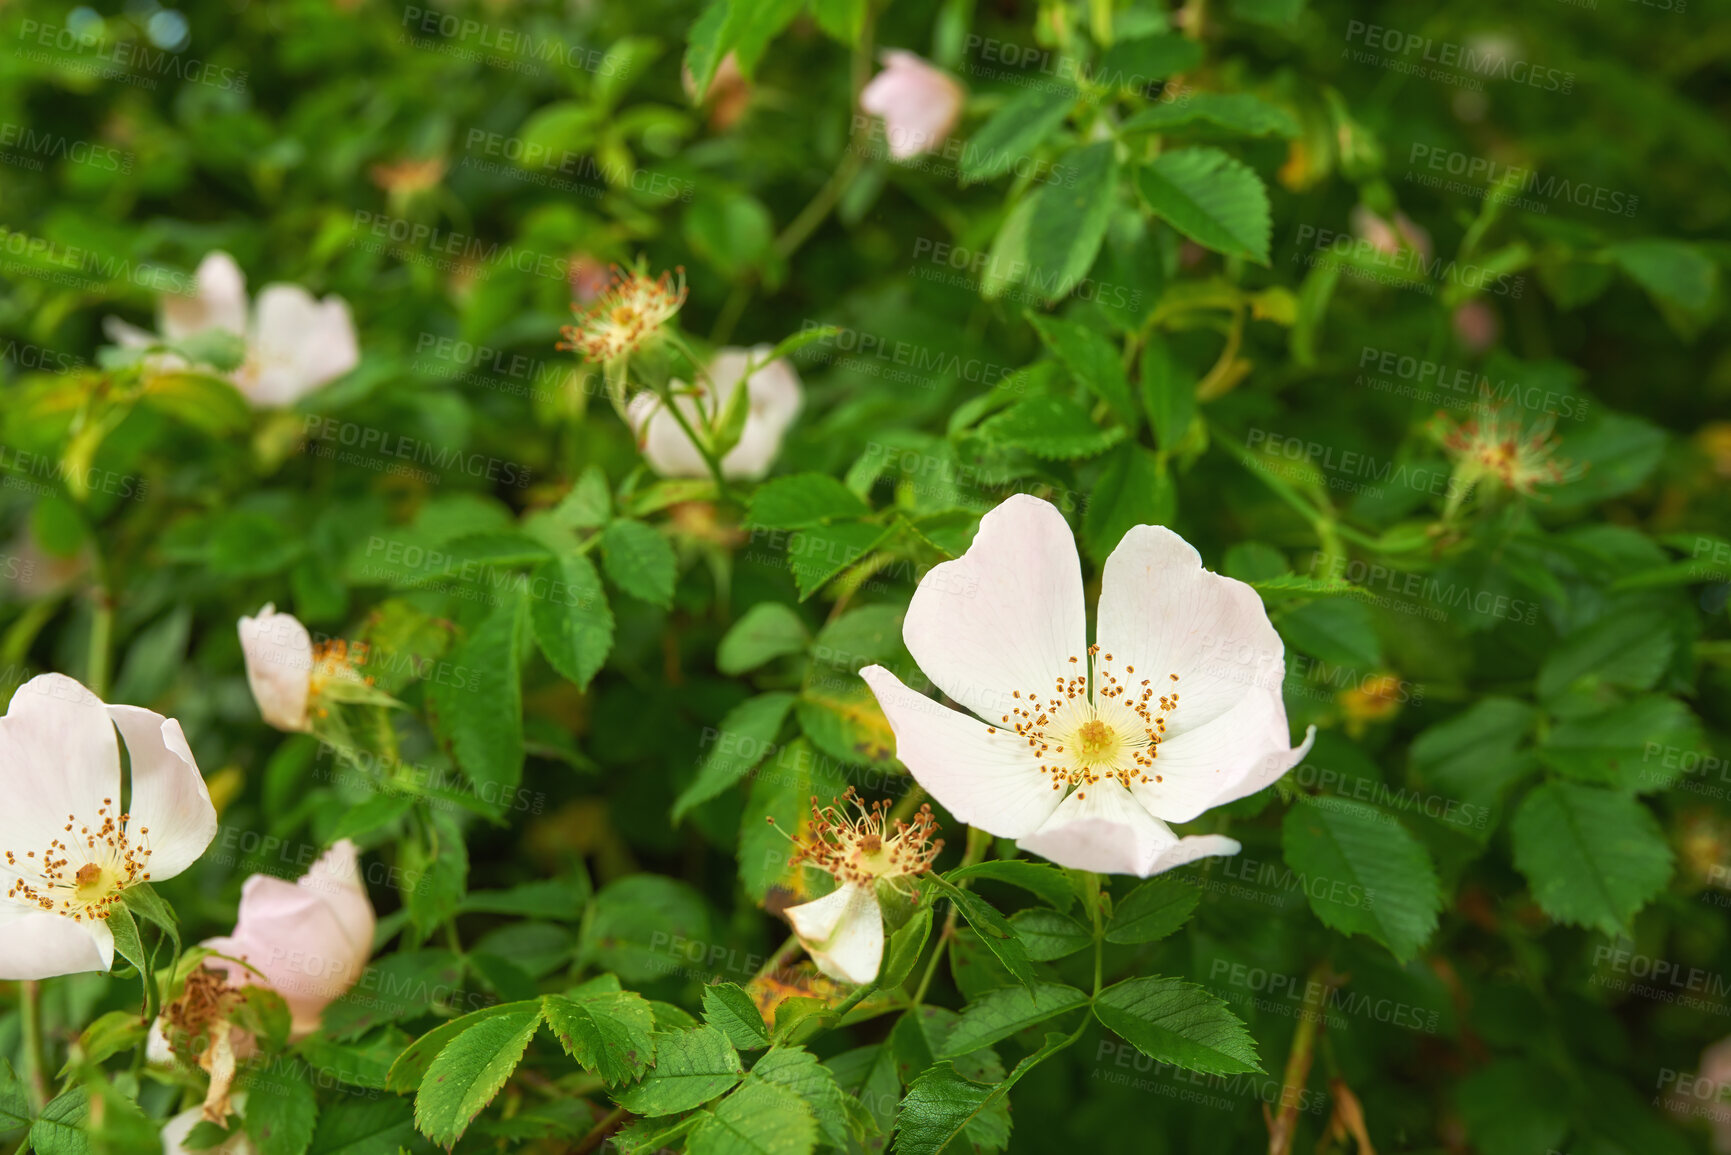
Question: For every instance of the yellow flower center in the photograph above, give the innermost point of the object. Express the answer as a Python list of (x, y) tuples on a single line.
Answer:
[(108, 857)]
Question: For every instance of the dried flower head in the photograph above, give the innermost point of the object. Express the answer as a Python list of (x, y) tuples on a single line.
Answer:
[(626, 316), (865, 847), (1497, 446)]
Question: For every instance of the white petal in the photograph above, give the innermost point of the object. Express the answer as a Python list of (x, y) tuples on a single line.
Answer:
[(125, 334), (37, 945), (1232, 757), (1101, 827), (298, 344), (58, 757), (843, 932), (1190, 848), (218, 301), (1162, 613), (984, 779), (175, 1131), (663, 443), (169, 797), (1005, 617), (279, 663), (776, 396)]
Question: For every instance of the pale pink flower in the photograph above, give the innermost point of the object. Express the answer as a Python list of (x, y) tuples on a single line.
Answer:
[(294, 343), (1085, 753), (1391, 237), (919, 104), (69, 849), (176, 1130), (775, 398), (1476, 325), (290, 676), (307, 940)]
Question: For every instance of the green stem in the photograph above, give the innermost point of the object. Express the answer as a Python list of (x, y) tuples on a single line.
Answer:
[(978, 840), (709, 459), (101, 633), (1094, 891), (35, 1065), (782, 953), (802, 226)]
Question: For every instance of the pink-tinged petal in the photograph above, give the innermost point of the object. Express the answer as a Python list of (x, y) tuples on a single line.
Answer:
[(1101, 827), (843, 932), (1191, 848), (1232, 757), (37, 945), (218, 301), (308, 940), (279, 663), (1162, 613), (776, 397), (126, 334), (170, 807), (919, 104), (58, 758), (297, 345), (1007, 616), (985, 779)]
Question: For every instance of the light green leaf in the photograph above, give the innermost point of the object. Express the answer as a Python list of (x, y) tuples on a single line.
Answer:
[(1213, 199), (608, 1032), (691, 1068), (1363, 873), (1592, 856), (1154, 910), (1001, 1013), (758, 1119), (470, 1071), (803, 500), (480, 715), (728, 1009), (1069, 221), (639, 561), (573, 622), (1172, 1021), (746, 735), (1013, 132)]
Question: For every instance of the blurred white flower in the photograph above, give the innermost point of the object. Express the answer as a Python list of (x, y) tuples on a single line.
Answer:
[(176, 1130), (1087, 752), (919, 104), (775, 396), (844, 930), (1391, 236), (70, 849), (294, 343)]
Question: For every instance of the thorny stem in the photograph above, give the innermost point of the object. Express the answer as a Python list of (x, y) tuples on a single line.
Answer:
[(598, 1134), (1283, 1127)]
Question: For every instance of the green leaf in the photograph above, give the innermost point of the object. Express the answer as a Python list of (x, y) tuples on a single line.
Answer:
[(1137, 62), (1007, 261), (691, 1068), (1069, 221), (573, 622), (1048, 935), (480, 714), (1236, 112), (1093, 359), (1050, 427), (803, 500), (1616, 746), (941, 1106), (470, 1071), (210, 404), (1630, 648), (1514, 1106), (817, 554), (1592, 856), (411, 1067), (608, 1032), (1154, 910), (1048, 883), (1672, 271), (768, 630), (394, 987), (746, 735), (1001, 1013), (1213, 199), (1168, 393), (1172, 1021), (993, 928), (110, 1034), (281, 1109), (904, 948), (1362, 873), (639, 561), (728, 1009), (588, 505), (62, 1128), (1335, 630), (359, 1125), (1133, 490), (635, 920), (758, 1119), (797, 1070), (1013, 132), (15, 1112)]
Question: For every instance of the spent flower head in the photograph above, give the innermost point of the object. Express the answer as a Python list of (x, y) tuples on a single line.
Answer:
[(1499, 447), (624, 318), (866, 846)]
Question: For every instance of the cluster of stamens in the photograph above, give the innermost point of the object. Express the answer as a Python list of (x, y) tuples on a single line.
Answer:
[(335, 660), (627, 314), (110, 859), (206, 1001), (867, 846), (1518, 457), (1081, 738)]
